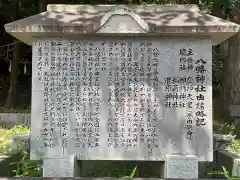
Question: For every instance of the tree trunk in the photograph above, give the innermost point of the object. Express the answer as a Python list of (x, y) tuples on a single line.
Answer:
[(41, 6), (12, 93), (231, 84), (231, 70)]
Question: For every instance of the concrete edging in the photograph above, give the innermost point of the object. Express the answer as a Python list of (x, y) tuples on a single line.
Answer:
[(229, 160), (11, 119)]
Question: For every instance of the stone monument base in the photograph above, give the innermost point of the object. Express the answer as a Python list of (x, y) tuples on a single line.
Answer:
[(175, 167), (183, 167), (61, 167)]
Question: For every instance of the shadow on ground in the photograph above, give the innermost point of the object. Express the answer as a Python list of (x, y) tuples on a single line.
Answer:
[(6, 170)]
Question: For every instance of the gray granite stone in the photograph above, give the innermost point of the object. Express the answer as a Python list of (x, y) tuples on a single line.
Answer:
[(163, 20), (21, 141), (171, 124), (60, 167), (185, 167), (236, 167)]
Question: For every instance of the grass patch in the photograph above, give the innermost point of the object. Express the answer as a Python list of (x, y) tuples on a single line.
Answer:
[(221, 127), (2, 132), (235, 146), (20, 109), (6, 137)]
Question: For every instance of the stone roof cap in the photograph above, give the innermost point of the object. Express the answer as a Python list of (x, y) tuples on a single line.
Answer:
[(154, 20), (133, 7)]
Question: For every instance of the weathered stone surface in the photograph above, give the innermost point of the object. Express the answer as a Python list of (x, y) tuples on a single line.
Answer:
[(171, 123), (60, 167), (21, 141), (168, 20), (181, 167), (236, 167)]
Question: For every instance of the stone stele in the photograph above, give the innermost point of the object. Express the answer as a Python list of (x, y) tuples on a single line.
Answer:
[(122, 83)]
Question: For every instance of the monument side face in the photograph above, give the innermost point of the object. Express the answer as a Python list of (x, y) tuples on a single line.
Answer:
[(122, 99)]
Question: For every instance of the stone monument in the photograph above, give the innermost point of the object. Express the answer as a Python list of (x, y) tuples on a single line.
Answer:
[(122, 83)]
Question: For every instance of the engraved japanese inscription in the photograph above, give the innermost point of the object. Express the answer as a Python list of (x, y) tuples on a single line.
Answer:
[(122, 99)]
